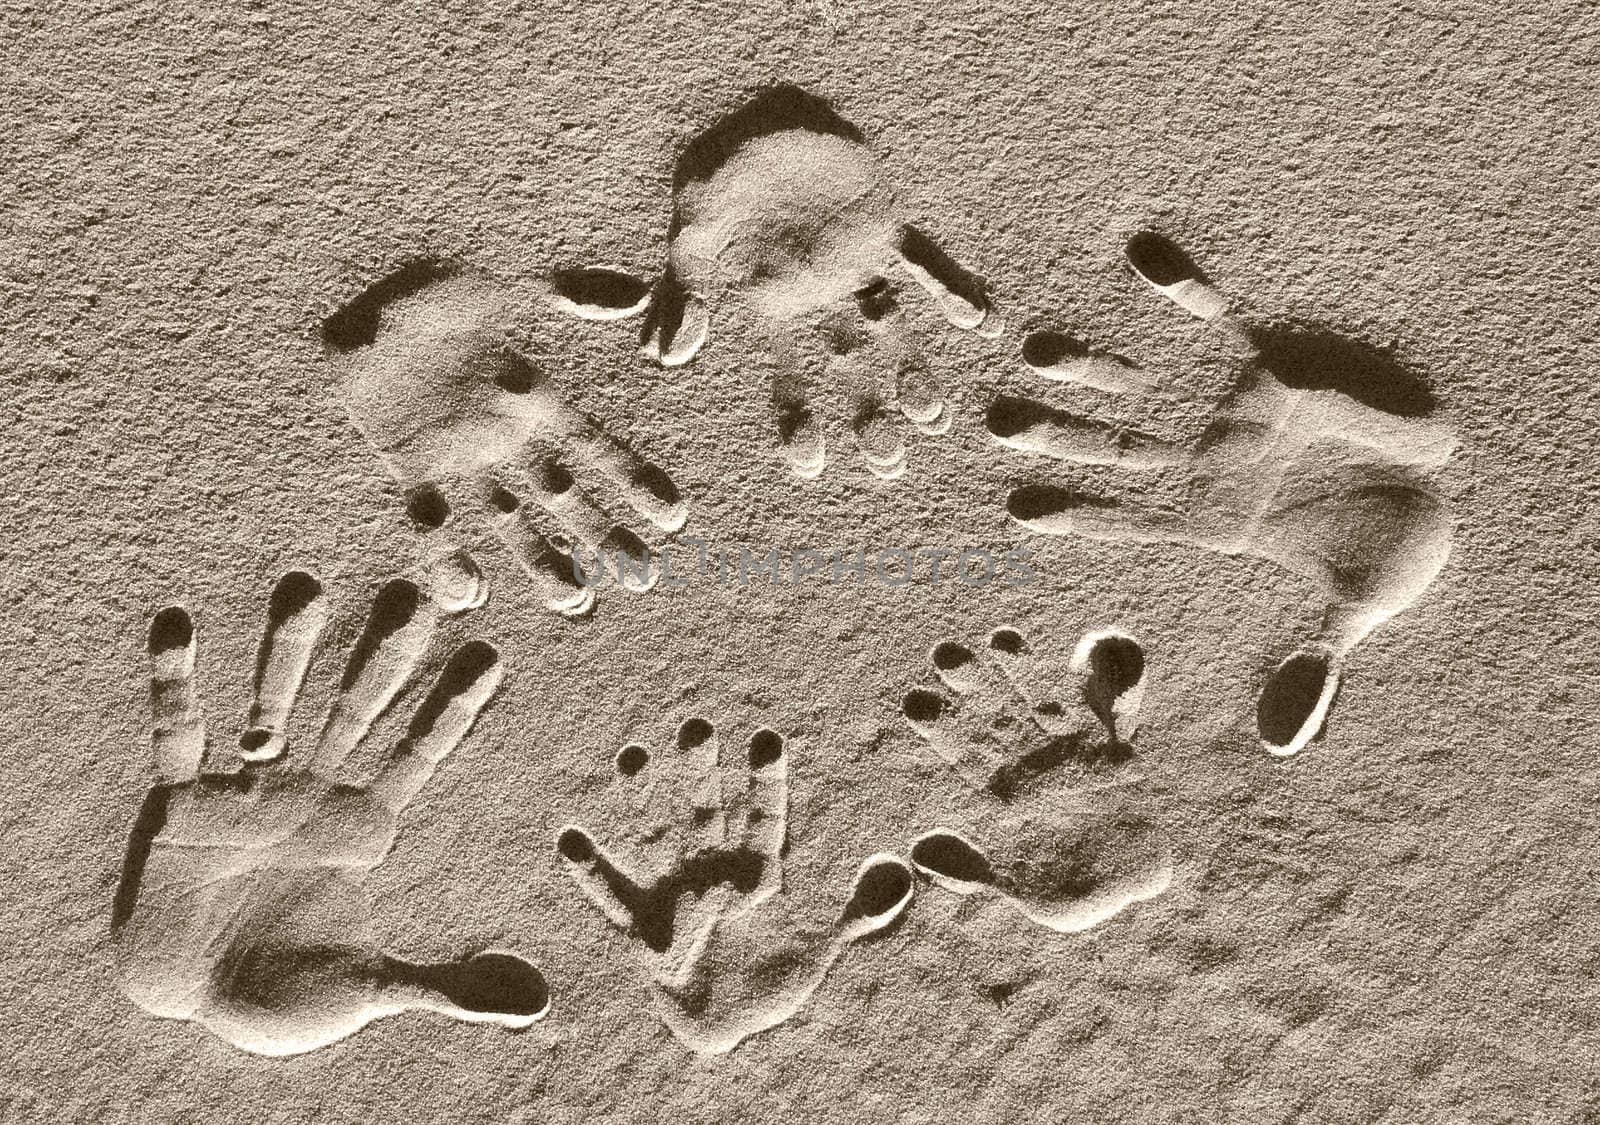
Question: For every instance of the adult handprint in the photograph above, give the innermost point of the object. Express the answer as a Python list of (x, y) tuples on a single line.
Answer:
[(241, 905), (477, 435), (1317, 460), (783, 209)]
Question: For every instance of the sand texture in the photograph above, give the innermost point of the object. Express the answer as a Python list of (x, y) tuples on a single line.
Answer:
[(816, 562)]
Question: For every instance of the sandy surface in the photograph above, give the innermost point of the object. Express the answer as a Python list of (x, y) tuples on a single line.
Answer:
[(1396, 924)]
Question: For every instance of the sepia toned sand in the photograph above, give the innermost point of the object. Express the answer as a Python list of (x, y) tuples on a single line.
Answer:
[(1159, 918)]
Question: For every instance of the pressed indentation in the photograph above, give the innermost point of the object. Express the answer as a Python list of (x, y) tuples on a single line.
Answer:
[(575, 845), (1047, 348), (694, 733), (1307, 357), (876, 300), (470, 664), (600, 290), (445, 396), (1160, 260), (1007, 417), (515, 374), (630, 545), (783, 204), (948, 855), (772, 110), (951, 656), (427, 507), (1040, 501), (924, 253), (1290, 698), (356, 324), (1008, 641), (1115, 666), (294, 593), (879, 891), (631, 759), (251, 741), (656, 484), (503, 500), (494, 983), (554, 478), (766, 747), (1116, 663), (171, 629), (147, 827), (248, 933), (922, 706), (393, 609)]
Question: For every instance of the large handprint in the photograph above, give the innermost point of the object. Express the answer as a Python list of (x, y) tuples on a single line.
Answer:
[(1317, 460), (477, 434), (721, 969), (241, 905), (782, 208)]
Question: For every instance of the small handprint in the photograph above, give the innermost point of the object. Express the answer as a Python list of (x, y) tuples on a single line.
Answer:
[(783, 209), (1049, 756), (1316, 460), (720, 967), (474, 431), (241, 905)]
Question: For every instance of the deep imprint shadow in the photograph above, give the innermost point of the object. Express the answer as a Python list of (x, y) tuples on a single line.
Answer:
[(1300, 354), (1008, 416), (1307, 357), (653, 909), (665, 315), (496, 983), (293, 593), (603, 288), (1162, 260), (1116, 664), (464, 669), (1289, 696), (147, 826), (1033, 501), (427, 507), (1047, 347), (394, 608), (879, 889), (1013, 777), (171, 629), (770, 110), (922, 251), (356, 324), (948, 855)]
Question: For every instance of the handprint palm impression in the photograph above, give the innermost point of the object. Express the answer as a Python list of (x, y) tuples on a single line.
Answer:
[(478, 437), (241, 906), (721, 966), (783, 210), (1048, 755), (1315, 461)]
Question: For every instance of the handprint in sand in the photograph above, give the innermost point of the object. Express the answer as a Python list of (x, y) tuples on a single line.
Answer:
[(1047, 752), (482, 443), (241, 906), (1317, 460), (783, 212), (707, 908)]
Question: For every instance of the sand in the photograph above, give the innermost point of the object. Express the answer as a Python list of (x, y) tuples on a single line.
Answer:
[(1232, 363)]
